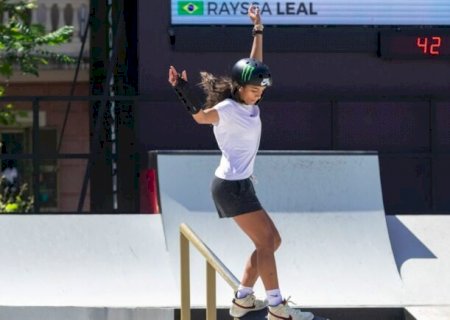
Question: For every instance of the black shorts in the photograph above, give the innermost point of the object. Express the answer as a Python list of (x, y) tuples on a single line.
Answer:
[(234, 197)]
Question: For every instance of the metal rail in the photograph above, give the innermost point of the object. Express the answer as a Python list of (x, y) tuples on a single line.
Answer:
[(213, 265)]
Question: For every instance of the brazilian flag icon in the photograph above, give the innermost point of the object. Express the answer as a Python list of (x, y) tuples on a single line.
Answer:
[(191, 8)]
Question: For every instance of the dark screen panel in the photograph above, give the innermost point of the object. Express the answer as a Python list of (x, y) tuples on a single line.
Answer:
[(276, 39), (295, 126), (285, 126), (383, 126), (442, 120), (167, 125), (406, 184), (441, 183)]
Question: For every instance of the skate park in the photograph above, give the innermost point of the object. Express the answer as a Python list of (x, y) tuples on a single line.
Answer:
[(343, 253), (352, 167)]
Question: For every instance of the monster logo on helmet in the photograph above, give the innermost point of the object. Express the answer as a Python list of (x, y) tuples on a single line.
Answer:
[(247, 73), (251, 71)]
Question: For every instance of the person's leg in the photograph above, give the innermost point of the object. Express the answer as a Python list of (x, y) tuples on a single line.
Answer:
[(262, 231)]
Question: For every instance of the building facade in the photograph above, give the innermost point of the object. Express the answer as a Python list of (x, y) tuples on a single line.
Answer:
[(60, 179)]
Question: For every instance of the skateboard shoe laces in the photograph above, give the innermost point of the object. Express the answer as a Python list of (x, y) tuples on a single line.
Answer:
[(284, 312)]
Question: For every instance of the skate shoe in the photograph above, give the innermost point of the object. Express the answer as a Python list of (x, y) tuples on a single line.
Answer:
[(284, 312), (241, 307)]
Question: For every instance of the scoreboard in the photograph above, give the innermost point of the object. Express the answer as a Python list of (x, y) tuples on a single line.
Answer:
[(316, 12), (415, 44), (406, 29)]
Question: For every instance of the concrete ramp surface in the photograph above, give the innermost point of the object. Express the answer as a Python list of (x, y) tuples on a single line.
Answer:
[(339, 250), (84, 260), (328, 208)]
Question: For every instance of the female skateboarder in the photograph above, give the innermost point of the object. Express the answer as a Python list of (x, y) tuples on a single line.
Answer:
[(232, 108)]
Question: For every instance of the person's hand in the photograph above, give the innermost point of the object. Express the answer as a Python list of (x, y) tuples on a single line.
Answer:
[(173, 76), (254, 14)]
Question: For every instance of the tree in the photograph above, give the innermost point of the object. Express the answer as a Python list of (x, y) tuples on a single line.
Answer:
[(24, 47)]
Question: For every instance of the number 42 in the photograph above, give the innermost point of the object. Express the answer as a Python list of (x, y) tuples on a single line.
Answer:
[(429, 45)]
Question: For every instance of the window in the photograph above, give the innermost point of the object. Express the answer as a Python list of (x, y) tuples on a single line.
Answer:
[(18, 141)]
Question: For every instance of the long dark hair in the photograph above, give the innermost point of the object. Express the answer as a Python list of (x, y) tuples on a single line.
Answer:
[(217, 89)]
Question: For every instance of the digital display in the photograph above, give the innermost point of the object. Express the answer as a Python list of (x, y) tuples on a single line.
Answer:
[(316, 12), (415, 44)]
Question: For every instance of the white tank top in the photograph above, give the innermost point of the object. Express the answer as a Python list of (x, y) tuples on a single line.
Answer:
[(238, 134)]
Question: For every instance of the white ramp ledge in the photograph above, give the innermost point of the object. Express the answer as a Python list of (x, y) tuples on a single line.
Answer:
[(85, 260)]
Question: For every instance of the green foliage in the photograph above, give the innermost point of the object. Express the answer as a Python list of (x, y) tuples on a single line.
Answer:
[(14, 199), (8, 115), (27, 45)]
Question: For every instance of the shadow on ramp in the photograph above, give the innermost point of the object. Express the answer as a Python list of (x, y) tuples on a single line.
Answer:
[(405, 244)]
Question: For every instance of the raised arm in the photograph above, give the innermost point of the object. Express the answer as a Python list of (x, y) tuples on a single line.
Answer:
[(257, 46), (190, 101)]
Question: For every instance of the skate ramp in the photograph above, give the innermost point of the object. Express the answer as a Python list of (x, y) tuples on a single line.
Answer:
[(99, 261), (336, 249), (329, 210)]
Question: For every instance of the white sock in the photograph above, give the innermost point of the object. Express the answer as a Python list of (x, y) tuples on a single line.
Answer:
[(243, 291), (274, 297)]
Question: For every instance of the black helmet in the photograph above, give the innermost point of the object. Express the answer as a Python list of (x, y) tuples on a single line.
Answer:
[(251, 71)]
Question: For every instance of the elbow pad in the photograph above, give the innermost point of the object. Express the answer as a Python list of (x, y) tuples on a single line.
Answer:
[(184, 93)]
